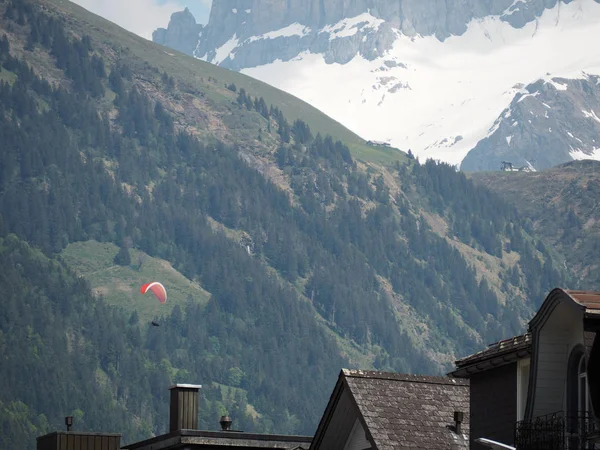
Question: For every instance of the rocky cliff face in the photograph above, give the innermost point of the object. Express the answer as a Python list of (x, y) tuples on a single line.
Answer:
[(249, 33), (182, 33), (548, 123), (431, 75)]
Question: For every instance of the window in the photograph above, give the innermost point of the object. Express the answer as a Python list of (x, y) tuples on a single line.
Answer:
[(577, 391)]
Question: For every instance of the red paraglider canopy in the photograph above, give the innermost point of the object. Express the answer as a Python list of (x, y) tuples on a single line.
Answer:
[(158, 289)]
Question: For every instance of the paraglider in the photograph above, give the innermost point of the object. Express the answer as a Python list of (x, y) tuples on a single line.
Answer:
[(157, 288)]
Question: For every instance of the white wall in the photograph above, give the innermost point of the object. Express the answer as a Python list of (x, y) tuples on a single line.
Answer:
[(558, 336)]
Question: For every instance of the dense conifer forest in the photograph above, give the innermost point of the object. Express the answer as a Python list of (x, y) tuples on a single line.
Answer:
[(341, 258), (562, 204)]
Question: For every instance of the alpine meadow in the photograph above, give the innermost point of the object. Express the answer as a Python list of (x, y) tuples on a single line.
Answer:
[(289, 247)]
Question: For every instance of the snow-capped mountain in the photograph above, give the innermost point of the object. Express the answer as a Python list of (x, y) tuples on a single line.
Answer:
[(433, 76), (547, 123)]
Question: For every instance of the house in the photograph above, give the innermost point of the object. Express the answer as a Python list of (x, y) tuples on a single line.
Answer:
[(379, 144), (540, 390), (367, 410), (508, 167), (384, 411), (183, 433), (60, 440), (536, 391)]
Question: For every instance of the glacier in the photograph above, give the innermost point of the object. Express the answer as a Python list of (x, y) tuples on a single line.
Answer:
[(439, 98)]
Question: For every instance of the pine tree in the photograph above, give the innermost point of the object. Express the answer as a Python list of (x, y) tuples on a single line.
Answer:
[(123, 258)]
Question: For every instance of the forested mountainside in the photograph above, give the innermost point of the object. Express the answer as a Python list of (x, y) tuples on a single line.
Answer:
[(562, 204), (298, 253)]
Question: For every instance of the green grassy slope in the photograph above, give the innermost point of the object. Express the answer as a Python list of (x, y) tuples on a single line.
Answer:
[(195, 73), (120, 286)]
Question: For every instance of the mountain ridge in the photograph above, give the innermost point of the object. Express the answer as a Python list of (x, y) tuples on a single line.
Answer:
[(445, 92), (249, 18)]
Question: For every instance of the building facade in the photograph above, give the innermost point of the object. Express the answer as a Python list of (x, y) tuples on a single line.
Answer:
[(540, 390)]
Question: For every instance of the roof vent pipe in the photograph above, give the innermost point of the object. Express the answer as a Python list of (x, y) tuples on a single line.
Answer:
[(69, 422), (225, 423), (458, 418)]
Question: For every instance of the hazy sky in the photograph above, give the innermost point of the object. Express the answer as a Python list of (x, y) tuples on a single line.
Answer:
[(144, 16)]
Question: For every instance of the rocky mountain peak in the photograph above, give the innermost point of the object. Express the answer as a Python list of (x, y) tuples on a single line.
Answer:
[(248, 33), (182, 34), (548, 123)]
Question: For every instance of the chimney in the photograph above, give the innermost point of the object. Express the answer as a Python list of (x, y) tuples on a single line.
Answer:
[(184, 407), (458, 418)]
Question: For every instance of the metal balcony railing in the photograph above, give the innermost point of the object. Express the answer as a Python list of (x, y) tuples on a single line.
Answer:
[(557, 431)]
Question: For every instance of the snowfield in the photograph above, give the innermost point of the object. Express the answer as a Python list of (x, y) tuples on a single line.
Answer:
[(351, 26), (294, 29), (578, 154), (443, 97)]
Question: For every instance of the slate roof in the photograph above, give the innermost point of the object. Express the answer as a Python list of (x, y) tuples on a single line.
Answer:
[(496, 349), (409, 410)]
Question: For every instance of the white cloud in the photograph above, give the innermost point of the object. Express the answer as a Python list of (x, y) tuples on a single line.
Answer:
[(141, 17)]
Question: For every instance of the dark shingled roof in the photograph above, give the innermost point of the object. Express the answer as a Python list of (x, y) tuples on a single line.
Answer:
[(411, 411), (499, 348)]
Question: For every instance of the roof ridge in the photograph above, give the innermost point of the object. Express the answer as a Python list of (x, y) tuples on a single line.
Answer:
[(513, 338), (393, 376), (503, 347), (583, 291)]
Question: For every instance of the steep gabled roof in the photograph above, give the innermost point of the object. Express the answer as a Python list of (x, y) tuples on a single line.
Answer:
[(409, 410), (399, 410)]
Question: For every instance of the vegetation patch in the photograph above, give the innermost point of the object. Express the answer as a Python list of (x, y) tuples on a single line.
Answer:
[(120, 285)]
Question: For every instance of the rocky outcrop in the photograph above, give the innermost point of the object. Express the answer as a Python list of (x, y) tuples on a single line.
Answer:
[(548, 123), (244, 33), (182, 33)]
